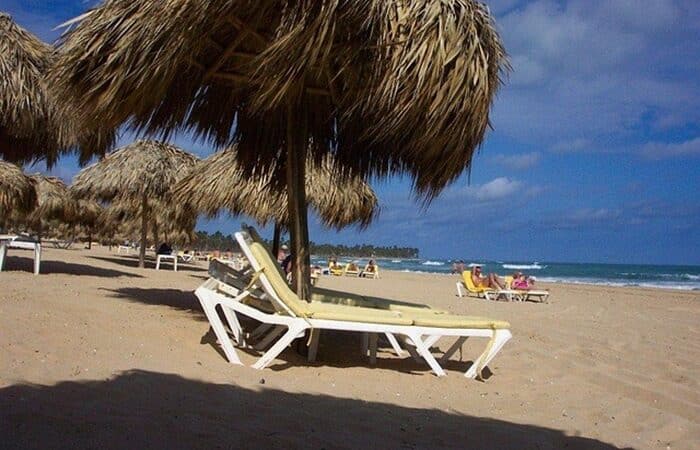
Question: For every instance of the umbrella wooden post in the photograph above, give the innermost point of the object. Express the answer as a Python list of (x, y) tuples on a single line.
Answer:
[(297, 144), (144, 230), (276, 239)]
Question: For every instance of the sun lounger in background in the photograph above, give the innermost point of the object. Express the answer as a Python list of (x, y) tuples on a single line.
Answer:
[(13, 241), (171, 258), (498, 294), (423, 330), (348, 272)]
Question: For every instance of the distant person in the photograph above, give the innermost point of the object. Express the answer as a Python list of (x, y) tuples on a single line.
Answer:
[(458, 267), (282, 253), (370, 269), (488, 281), (287, 263), (165, 249)]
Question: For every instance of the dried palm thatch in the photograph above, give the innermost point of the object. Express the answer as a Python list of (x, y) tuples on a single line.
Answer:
[(141, 175), (17, 191), (33, 125), (171, 220), (54, 202), (387, 86), (218, 182)]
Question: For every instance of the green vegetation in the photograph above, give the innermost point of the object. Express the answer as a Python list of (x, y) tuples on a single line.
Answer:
[(219, 241)]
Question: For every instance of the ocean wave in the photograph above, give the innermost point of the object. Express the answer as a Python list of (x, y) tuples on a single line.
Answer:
[(534, 266), (433, 263), (396, 260), (623, 283)]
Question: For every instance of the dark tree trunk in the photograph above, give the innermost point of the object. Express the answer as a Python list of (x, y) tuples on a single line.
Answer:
[(297, 146), (144, 231)]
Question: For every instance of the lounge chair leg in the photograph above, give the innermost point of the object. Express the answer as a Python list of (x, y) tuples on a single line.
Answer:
[(235, 326), (453, 348), (411, 349), (313, 344), (459, 289), (502, 336), (373, 348), (395, 344), (427, 356), (262, 345), (430, 341), (260, 330), (209, 308), (291, 334), (37, 258), (3, 254)]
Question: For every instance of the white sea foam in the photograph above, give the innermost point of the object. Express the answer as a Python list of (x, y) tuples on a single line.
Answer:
[(534, 266), (433, 263), (620, 283)]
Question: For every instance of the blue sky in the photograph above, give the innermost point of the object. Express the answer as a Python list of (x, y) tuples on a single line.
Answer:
[(595, 152)]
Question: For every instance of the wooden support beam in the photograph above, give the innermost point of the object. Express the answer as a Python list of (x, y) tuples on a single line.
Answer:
[(226, 54), (240, 26)]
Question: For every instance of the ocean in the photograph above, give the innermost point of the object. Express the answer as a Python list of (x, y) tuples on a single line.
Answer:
[(664, 277)]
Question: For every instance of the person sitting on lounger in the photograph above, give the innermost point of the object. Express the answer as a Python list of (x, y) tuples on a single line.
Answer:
[(488, 281), (165, 249), (370, 269)]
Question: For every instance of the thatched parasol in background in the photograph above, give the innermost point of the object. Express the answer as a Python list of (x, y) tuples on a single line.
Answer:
[(88, 216), (54, 203), (17, 191), (218, 182), (171, 220), (385, 86), (33, 125), (141, 172)]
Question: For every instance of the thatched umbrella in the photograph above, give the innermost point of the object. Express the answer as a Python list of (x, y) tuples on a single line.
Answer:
[(218, 182), (88, 217), (54, 202), (33, 124), (17, 191), (141, 172), (386, 86), (171, 220)]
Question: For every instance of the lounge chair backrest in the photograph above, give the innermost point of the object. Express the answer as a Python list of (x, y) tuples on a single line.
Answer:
[(271, 277), (467, 276)]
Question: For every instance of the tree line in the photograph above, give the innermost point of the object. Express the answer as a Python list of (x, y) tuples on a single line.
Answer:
[(219, 241)]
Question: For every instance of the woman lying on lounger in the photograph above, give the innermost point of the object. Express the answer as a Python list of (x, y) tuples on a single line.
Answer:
[(488, 281)]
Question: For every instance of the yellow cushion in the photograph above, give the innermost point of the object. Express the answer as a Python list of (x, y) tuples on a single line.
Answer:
[(456, 321), (471, 287), (279, 284)]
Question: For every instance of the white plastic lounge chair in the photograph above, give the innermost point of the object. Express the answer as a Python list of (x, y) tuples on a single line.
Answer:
[(13, 241), (166, 258), (298, 316)]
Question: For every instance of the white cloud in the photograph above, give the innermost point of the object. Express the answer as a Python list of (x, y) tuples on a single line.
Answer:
[(518, 162), (661, 150), (598, 69), (571, 146), (495, 189)]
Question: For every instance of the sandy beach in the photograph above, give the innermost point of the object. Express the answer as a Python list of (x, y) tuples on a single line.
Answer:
[(97, 353)]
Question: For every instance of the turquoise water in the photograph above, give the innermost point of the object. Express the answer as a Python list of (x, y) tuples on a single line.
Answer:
[(665, 277)]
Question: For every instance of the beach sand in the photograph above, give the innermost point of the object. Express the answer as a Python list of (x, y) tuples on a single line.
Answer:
[(98, 353)]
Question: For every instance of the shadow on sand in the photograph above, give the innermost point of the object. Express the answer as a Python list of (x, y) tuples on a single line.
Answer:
[(173, 298), (52, 266), (131, 261), (140, 409)]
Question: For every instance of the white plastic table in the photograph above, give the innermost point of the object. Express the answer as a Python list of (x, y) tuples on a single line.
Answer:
[(172, 258), (123, 247), (9, 241)]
